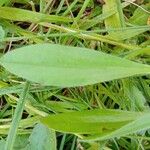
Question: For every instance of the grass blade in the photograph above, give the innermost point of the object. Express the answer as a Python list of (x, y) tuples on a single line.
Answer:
[(17, 14), (17, 116)]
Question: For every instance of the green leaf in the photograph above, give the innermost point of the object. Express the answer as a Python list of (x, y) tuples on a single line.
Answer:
[(2, 144), (21, 142), (26, 1), (2, 33), (116, 20), (17, 14), (127, 33), (89, 122), (2, 2), (86, 24), (63, 106), (64, 66), (141, 123), (140, 17), (42, 138), (135, 96)]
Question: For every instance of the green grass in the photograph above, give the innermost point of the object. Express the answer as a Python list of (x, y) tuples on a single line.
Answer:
[(102, 116)]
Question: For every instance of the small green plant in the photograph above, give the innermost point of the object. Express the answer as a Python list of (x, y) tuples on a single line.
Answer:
[(74, 74), (65, 66)]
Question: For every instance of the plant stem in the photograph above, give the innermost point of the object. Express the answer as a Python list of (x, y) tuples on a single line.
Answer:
[(96, 37), (16, 119)]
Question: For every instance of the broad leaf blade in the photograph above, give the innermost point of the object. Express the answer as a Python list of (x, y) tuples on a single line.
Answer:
[(57, 65), (89, 122), (42, 138), (21, 142)]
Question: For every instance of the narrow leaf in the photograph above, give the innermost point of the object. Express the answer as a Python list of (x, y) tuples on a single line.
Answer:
[(89, 122), (140, 17), (127, 33), (141, 123), (17, 14), (117, 19)]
